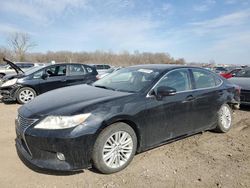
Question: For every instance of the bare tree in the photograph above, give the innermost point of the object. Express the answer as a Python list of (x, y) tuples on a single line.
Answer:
[(20, 43)]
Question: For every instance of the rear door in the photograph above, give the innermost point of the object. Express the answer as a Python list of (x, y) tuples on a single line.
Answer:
[(207, 96), (77, 74)]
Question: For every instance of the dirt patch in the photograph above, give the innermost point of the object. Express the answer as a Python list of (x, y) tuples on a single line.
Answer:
[(204, 160)]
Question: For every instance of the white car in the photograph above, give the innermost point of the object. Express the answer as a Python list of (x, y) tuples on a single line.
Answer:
[(8, 69), (101, 68)]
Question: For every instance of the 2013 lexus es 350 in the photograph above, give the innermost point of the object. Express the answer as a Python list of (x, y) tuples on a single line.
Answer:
[(129, 111)]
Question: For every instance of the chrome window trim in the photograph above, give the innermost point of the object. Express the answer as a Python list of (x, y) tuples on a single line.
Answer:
[(149, 96)]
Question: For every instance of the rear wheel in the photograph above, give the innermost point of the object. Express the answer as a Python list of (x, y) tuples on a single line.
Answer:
[(224, 119), (115, 148), (25, 95)]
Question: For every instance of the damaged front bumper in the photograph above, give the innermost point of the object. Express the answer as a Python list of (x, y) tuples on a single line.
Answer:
[(9, 93)]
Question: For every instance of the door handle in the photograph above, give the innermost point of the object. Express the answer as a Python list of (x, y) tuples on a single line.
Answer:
[(63, 80), (189, 98)]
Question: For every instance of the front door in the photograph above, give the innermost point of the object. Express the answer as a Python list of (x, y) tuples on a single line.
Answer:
[(56, 78), (170, 117)]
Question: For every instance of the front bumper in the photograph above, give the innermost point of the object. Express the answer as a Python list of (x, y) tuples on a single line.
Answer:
[(40, 150), (9, 93)]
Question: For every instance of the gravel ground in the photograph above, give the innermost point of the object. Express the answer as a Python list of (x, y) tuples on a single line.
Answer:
[(204, 160)]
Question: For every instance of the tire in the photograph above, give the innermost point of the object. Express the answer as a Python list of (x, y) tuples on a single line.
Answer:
[(110, 158), (25, 94), (225, 118)]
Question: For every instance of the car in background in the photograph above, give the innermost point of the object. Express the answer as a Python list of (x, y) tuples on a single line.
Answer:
[(242, 79), (106, 73), (231, 73), (220, 70), (8, 69), (101, 68), (129, 111), (26, 86)]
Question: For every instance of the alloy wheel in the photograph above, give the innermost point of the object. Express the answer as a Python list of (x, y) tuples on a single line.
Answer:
[(26, 96), (225, 117), (117, 149)]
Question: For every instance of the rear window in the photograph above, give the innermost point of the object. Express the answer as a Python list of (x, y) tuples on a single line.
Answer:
[(205, 79), (76, 70)]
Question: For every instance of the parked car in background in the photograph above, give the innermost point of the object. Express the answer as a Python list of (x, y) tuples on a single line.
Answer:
[(27, 85), (101, 68), (231, 73), (129, 111), (242, 79), (8, 69), (220, 70), (106, 73)]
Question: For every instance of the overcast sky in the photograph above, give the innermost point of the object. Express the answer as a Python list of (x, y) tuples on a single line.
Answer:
[(197, 30)]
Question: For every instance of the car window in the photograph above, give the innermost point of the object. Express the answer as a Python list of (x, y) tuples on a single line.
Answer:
[(38, 74), (243, 73), (99, 67), (76, 70), (177, 79), (89, 69), (204, 79), (128, 79), (107, 67), (57, 70)]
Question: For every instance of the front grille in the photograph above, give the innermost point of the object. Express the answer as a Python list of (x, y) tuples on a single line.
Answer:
[(23, 123)]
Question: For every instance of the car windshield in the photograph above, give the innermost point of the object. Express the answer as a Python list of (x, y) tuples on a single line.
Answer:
[(32, 70), (243, 73), (128, 79)]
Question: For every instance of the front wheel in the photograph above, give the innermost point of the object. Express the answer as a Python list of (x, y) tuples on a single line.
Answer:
[(25, 95), (224, 119), (115, 148)]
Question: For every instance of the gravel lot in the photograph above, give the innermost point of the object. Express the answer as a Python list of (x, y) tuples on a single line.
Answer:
[(204, 160)]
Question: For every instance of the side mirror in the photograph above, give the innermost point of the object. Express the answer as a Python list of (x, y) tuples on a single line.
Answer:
[(44, 76), (164, 91)]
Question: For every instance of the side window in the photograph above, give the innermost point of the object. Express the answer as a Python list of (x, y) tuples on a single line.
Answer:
[(38, 74), (107, 67), (89, 69), (58, 70), (76, 70), (177, 79), (204, 79), (100, 67)]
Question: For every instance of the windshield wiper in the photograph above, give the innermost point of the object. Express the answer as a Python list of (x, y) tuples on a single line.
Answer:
[(104, 87)]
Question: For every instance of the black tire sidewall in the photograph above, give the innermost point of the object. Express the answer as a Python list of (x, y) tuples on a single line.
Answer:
[(20, 90), (100, 142)]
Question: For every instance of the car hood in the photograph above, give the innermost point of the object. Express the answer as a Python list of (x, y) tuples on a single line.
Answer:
[(68, 101), (11, 76), (243, 82), (15, 67)]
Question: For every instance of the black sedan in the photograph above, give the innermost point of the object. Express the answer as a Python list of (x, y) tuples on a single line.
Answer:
[(129, 111), (25, 86), (242, 79)]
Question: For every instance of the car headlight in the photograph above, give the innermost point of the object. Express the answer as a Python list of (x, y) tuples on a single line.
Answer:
[(9, 82), (61, 122)]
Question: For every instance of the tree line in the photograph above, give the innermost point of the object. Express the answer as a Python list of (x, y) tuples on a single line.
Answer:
[(20, 44)]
